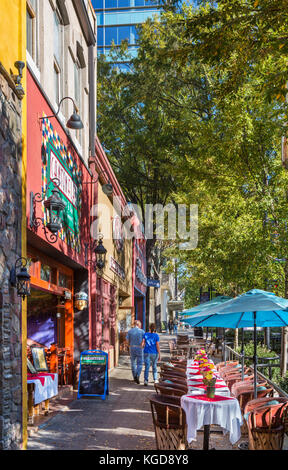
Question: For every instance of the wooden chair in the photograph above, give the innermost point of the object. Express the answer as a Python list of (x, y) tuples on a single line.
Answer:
[(173, 378), (169, 422), (170, 389), (267, 423), (247, 395), (228, 363)]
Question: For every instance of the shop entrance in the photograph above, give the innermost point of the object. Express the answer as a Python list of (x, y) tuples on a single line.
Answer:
[(50, 315)]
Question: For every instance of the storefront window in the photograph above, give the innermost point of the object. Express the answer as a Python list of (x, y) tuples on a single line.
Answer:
[(63, 280), (45, 273)]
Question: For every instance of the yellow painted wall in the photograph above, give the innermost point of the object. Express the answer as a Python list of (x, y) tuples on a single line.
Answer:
[(13, 48), (12, 33)]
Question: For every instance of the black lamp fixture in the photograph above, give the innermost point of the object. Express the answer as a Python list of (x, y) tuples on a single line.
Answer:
[(106, 188), (100, 255), (53, 206), (20, 278), (74, 122)]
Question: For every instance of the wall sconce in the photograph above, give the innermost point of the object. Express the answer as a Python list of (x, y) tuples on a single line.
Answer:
[(74, 122), (81, 301), (18, 78), (21, 279), (100, 255), (120, 301), (106, 188), (53, 206)]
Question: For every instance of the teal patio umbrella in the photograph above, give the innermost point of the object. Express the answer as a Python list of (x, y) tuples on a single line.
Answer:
[(256, 308), (199, 308)]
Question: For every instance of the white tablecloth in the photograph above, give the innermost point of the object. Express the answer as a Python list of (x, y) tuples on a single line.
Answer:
[(46, 391), (225, 413)]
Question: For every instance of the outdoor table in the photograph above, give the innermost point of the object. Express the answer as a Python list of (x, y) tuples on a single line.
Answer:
[(41, 387), (200, 410)]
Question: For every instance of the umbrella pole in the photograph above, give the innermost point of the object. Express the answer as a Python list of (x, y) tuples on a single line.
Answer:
[(224, 345), (242, 353), (255, 356)]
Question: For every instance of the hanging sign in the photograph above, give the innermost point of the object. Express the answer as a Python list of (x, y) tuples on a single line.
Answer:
[(153, 283), (93, 375)]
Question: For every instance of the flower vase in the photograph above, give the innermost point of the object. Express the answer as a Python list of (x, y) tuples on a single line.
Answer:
[(210, 391)]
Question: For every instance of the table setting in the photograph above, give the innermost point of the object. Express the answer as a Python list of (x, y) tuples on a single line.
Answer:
[(208, 401)]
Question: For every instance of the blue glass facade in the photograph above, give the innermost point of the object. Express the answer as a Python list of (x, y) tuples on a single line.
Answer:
[(117, 20)]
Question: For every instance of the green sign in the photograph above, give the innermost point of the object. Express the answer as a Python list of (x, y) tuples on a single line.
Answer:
[(59, 163)]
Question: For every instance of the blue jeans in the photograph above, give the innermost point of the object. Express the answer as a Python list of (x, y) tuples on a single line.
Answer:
[(136, 356), (150, 359)]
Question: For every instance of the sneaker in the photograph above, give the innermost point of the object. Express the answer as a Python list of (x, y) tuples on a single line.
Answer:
[(156, 381), (137, 380), (146, 383)]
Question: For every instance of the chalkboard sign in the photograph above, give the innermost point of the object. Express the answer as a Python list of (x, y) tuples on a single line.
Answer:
[(93, 375)]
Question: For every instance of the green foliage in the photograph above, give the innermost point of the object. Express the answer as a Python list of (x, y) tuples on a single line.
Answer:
[(262, 352), (199, 120)]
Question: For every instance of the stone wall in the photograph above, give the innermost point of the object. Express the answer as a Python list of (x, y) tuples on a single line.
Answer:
[(10, 250)]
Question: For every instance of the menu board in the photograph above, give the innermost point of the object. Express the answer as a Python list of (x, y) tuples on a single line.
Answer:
[(93, 375)]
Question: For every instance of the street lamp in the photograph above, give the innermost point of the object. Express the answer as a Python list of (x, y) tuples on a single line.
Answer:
[(106, 188), (100, 255), (74, 122), (21, 279), (53, 206)]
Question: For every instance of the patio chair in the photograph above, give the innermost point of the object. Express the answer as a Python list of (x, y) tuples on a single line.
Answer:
[(246, 395), (266, 421), (179, 380), (228, 363), (170, 389), (169, 422), (173, 383)]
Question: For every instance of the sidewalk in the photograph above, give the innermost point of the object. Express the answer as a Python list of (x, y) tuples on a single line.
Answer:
[(122, 422)]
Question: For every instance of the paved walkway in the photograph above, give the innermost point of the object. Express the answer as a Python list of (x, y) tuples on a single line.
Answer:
[(122, 422)]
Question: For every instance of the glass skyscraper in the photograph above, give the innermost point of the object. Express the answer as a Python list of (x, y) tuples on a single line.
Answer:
[(117, 21)]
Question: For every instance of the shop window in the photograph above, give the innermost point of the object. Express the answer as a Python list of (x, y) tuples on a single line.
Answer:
[(45, 272), (63, 280)]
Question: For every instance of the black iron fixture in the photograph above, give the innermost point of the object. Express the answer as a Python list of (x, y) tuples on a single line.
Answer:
[(74, 122), (100, 255), (106, 188), (53, 206), (20, 278)]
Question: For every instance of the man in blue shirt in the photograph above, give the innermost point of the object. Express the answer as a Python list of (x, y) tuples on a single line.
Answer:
[(135, 337)]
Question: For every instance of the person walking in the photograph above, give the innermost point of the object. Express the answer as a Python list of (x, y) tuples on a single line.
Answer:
[(170, 326), (175, 325), (135, 338), (151, 353)]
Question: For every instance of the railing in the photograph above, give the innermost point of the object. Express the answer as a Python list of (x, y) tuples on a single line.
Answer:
[(230, 354)]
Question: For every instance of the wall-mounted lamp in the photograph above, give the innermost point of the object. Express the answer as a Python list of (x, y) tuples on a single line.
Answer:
[(53, 206), (74, 122), (120, 301), (18, 78), (20, 279), (81, 301), (106, 188), (100, 255)]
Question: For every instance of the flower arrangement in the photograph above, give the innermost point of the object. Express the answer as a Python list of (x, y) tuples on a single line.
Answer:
[(207, 370)]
